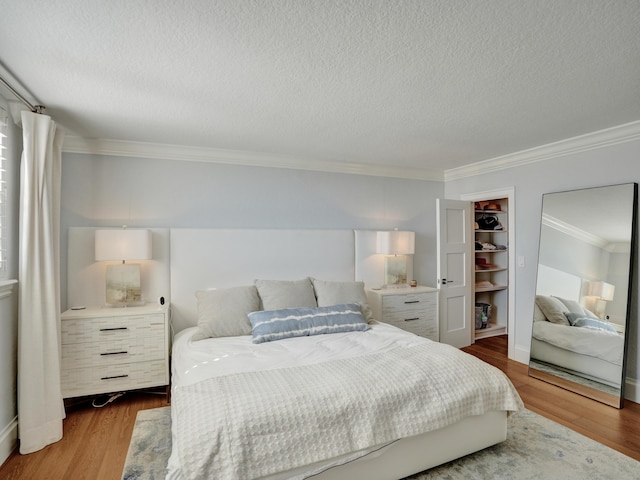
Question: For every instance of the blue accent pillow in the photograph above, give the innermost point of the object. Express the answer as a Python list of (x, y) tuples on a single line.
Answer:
[(577, 320), (270, 325)]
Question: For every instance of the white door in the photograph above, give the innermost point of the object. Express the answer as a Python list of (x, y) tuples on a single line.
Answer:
[(455, 248)]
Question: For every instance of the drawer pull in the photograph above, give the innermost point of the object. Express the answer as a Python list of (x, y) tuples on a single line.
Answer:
[(412, 301), (411, 319), (112, 329), (114, 353), (114, 376)]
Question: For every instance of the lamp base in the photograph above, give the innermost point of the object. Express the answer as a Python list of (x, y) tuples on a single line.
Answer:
[(395, 270), (123, 285)]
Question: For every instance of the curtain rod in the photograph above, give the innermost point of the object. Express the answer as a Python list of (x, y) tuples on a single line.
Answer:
[(34, 109)]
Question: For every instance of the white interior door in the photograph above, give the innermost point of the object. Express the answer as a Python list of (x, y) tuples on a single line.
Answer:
[(455, 247)]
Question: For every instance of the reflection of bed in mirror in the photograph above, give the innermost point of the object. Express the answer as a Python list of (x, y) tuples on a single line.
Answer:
[(568, 339)]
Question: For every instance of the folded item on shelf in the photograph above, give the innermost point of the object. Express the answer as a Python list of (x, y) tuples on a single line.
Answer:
[(487, 205), (482, 264), (486, 266), (488, 222), (484, 284)]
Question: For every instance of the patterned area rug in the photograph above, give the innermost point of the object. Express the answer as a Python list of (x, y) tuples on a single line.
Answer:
[(536, 448)]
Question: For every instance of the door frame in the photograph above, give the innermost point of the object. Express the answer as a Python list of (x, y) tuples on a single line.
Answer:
[(509, 194)]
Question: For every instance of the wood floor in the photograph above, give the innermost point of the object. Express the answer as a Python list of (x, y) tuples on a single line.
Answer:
[(618, 429), (96, 440)]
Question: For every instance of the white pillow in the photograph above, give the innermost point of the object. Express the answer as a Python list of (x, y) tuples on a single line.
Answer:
[(553, 309), (572, 305), (538, 316), (336, 293), (279, 294), (223, 313)]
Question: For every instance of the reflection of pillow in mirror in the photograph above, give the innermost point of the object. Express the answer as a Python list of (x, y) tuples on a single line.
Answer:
[(588, 322), (538, 316), (572, 306), (590, 314), (573, 317), (553, 309)]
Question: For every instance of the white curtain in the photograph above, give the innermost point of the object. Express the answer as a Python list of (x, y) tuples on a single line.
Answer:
[(40, 405)]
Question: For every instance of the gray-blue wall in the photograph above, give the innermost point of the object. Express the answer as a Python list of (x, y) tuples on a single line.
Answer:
[(607, 165), (112, 191)]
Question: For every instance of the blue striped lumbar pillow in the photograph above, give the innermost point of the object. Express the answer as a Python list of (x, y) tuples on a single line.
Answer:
[(270, 325)]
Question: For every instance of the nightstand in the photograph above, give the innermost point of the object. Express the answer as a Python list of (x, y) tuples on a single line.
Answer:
[(414, 309), (108, 350)]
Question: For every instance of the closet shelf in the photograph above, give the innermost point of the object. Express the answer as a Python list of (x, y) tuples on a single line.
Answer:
[(490, 211), (494, 288), (491, 330), (491, 270)]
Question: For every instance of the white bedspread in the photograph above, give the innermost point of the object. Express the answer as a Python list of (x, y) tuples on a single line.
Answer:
[(309, 399), (604, 345)]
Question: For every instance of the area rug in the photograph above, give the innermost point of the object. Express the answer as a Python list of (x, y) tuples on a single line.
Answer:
[(536, 449)]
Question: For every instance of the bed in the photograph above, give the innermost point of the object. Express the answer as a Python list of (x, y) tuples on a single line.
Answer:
[(567, 336), (355, 399)]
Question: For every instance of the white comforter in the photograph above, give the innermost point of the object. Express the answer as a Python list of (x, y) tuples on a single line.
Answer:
[(244, 411), (604, 345)]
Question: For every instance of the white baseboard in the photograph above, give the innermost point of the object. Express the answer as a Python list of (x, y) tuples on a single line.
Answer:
[(632, 390), (521, 355), (8, 440)]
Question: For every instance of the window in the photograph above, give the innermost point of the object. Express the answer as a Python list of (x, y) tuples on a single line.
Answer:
[(4, 227)]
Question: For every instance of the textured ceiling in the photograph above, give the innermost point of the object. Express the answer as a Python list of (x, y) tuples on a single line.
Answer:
[(422, 84)]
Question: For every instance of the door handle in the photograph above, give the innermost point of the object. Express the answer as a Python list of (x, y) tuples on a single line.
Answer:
[(445, 281), (114, 376)]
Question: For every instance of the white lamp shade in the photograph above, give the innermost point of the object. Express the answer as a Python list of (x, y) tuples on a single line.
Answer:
[(602, 290), (123, 244), (396, 242)]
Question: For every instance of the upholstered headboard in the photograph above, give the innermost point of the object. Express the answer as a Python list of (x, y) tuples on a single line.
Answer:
[(554, 282), (217, 258)]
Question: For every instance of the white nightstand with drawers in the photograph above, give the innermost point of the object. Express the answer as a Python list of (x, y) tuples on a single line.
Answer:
[(108, 350), (414, 309)]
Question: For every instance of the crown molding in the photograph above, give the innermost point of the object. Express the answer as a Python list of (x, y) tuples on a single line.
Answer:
[(612, 136), (603, 138), (573, 231), (121, 148)]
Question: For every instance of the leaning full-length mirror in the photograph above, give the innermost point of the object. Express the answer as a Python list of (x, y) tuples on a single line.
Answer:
[(581, 313)]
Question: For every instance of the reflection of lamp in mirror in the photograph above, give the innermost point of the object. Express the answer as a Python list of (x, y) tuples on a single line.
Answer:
[(602, 293), (395, 245), (123, 279)]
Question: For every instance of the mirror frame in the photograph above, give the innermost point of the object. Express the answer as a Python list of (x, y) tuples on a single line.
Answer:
[(594, 393)]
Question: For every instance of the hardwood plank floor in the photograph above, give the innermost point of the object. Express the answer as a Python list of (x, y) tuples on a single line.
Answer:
[(96, 440), (618, 429), (94, 445)]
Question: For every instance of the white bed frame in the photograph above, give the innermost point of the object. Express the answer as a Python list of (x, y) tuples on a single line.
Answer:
[(219, 258)]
